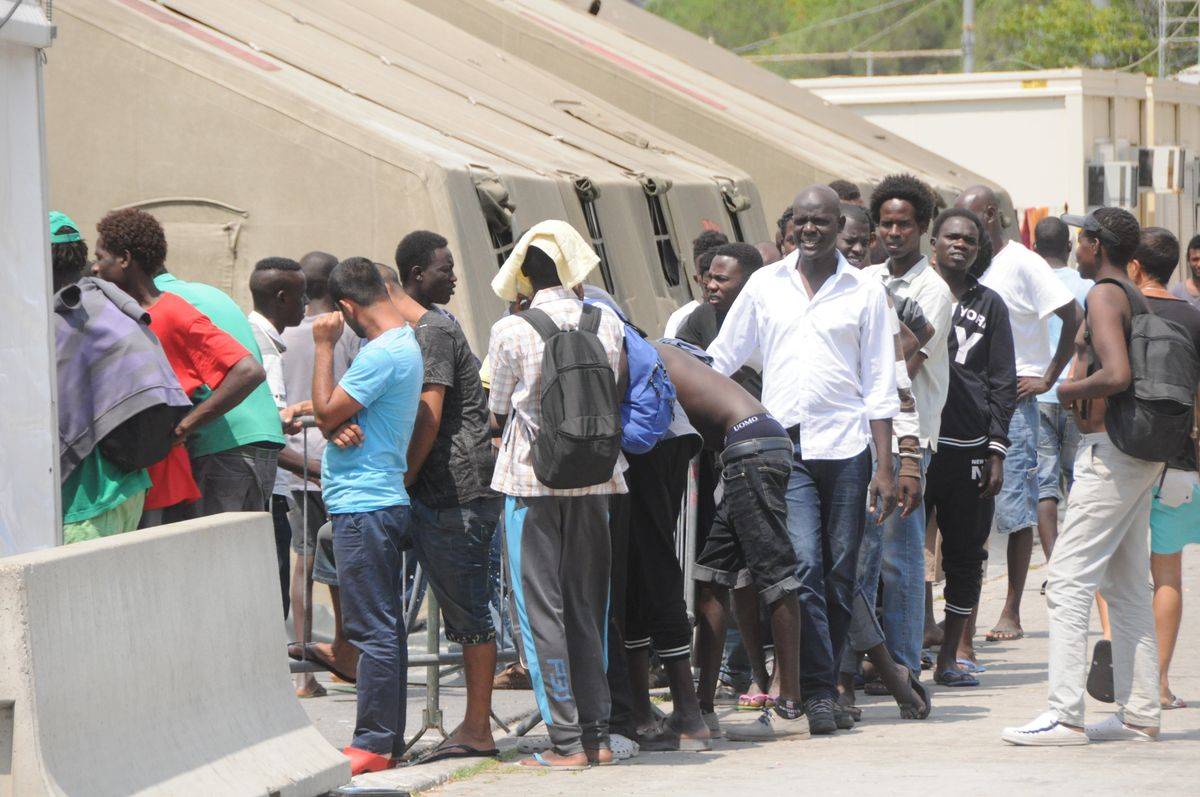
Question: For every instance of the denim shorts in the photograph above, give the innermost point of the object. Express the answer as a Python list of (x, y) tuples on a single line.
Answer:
[(1016, 505), (1058, 439), (749, 542), (454, 548)]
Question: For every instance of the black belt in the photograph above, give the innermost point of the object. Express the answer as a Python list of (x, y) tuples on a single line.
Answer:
[(750, 448)]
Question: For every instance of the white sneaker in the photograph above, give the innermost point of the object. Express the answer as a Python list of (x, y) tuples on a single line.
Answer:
[(768, 727), (713, 723), (1045, 731), (622, 747), (1111, 729)]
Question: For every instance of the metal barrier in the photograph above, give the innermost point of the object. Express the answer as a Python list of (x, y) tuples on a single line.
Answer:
[(439, 663)]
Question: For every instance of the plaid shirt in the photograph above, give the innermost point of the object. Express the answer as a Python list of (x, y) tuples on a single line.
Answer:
[(515, 355)]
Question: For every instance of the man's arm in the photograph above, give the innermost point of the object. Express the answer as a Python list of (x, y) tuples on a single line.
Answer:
[(1070, 314), (1106, 321), (881, 494), (293, 462), (738, 337), (239, 382), (332, 406), (425, 430)]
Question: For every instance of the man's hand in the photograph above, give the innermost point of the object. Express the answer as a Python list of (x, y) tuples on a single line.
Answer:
[(183, 430), (881, 495), (992, 479), (910, 494), (346, 435), (327, 328), (1032, 386), (290, 421)]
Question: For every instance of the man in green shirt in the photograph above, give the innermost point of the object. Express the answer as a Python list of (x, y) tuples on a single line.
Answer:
[(234, 457), (98, 498)]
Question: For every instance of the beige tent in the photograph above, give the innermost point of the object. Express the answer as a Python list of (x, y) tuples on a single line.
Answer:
[(783, 136), (272, 127)]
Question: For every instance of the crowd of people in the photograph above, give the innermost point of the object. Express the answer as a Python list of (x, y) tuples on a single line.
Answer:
[(862, 401)]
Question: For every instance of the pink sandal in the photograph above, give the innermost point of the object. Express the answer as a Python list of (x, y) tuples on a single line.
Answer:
[(754, 702)]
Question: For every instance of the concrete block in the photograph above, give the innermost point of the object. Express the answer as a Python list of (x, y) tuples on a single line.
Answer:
[(153, 663)]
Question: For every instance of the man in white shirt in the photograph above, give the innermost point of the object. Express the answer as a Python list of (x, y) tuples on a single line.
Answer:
[(1032, 294), (1058, 436), (828, 377), (903, 207), (707, 241)]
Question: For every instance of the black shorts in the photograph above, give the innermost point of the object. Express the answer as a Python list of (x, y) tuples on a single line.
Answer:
[(964, 520), (749, 542)]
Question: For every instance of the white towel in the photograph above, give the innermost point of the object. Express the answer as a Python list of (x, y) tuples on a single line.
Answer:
[(563, 244)]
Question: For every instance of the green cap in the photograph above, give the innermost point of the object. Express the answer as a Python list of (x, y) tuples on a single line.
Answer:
[(57, 222)]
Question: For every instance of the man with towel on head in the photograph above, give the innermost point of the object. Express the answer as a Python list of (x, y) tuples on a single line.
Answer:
[(557, 538)]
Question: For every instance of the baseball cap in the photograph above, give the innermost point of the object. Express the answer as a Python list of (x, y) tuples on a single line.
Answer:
[(58, 221), (1092, 226)]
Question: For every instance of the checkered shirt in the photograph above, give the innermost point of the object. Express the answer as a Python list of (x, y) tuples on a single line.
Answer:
[(515, 354)]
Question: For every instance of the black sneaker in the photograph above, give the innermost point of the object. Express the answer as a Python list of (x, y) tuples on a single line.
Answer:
[(821, 720), (843, 718)]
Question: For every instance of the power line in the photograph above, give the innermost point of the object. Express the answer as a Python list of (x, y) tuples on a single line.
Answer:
[(911, 15), (1144, 58), (825, 23)]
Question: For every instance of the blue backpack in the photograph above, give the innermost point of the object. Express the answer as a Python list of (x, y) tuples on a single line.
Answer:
[(649, 402)]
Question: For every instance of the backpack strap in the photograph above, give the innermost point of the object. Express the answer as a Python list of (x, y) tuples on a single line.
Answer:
[(1137, 305), (541, 321), (589, 319)]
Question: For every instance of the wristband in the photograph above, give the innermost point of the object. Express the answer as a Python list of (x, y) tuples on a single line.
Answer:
[(910, 466)]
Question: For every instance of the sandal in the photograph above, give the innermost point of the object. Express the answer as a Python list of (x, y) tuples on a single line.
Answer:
[(1174, 703), (973, 667), (539, 762), (1100, 674), (756, 702), (955, 678)]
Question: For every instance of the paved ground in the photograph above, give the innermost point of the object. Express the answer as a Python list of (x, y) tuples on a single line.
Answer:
[(962, 738)]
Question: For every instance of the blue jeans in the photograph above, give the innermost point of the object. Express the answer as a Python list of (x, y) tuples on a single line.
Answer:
[(1058, 440), (895, 550), (454, 548), (368, 548), (1016, 505), (825, 499)]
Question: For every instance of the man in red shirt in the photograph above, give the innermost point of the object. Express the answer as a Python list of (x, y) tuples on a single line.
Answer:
[(131, 247)]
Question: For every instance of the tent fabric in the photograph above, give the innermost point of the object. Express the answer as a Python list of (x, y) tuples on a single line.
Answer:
[(341, 125)]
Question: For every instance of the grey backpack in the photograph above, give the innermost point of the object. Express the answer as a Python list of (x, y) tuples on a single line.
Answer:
[(1152, 418), (580, 435)]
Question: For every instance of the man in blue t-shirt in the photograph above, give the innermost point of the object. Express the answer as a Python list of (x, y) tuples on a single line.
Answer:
[(369, 417)]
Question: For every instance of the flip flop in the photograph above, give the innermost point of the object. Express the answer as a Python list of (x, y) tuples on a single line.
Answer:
[(756, 702), (1176, 702), (955, 678), (1100, 674), (972, 667), (926, 660), (542, 763), (907, 710), (446, 751), (876, 689), (310, 652)]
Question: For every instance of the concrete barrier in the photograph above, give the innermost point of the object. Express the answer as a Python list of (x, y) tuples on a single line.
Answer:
[(153, 663)]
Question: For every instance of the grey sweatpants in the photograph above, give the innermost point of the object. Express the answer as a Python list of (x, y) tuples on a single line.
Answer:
[(559, 558)]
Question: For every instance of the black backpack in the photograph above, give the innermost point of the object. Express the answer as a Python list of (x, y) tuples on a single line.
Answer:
[(580, 435), (143, 439), (1146, 419)]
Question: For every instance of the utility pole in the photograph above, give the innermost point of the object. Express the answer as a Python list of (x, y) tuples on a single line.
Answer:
[(968, 35)]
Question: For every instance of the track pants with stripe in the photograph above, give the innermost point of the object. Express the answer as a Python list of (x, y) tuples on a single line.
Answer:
[(964, 518), (559, 557)]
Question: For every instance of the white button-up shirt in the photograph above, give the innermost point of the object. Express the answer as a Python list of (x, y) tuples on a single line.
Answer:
[(828, 360), (923, 285)]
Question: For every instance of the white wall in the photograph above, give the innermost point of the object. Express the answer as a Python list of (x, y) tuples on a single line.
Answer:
[(1022, 143), (29, 488)]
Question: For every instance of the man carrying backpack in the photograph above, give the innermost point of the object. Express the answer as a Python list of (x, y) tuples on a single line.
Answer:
[(1104, 545), (554, 370)]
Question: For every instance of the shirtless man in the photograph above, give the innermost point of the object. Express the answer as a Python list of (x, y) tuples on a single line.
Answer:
[(748, 547)]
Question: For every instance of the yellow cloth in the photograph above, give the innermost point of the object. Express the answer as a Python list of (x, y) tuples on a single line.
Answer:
[(562, 243)]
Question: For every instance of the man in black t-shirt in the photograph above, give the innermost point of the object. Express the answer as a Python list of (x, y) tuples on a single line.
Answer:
[(450, 459)]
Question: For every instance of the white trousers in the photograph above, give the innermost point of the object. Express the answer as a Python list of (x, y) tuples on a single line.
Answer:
[(1105, 546)]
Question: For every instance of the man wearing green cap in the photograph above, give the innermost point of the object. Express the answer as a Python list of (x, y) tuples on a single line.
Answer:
[(99, 331)]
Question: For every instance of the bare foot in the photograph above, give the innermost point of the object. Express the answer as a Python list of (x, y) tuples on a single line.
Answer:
[(934, 635), (1006, 629), (600, 757)]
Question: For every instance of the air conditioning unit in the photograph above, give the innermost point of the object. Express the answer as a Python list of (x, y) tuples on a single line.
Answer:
[(1112, 184), (1161, 169)]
